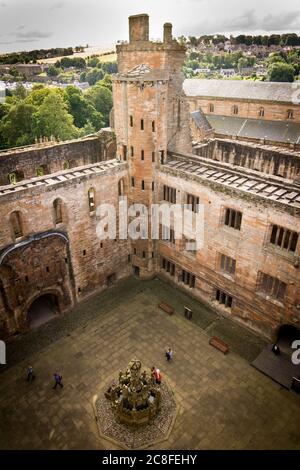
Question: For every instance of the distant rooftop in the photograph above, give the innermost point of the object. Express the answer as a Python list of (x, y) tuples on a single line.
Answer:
[(242, 89)]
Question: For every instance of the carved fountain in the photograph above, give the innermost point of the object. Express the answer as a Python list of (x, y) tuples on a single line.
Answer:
[(136, 398)]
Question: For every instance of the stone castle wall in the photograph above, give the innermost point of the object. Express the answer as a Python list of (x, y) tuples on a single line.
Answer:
[(53, 157), (273, 111), (268, 160)]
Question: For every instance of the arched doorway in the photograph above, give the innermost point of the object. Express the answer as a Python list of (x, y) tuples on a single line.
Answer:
[(287, 334), (42, 310)]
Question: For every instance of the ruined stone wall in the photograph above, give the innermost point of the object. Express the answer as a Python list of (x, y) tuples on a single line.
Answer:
[(269, 160), (248, 246), (54, 157), (273, 111), (76, 268)]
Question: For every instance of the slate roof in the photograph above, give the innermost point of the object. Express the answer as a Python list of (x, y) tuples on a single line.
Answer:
[(275, 131), (224, 174), (62, 176), (201, 120), (243, 90)]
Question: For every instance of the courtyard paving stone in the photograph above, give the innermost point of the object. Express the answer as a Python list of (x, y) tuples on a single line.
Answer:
[(224, 402)]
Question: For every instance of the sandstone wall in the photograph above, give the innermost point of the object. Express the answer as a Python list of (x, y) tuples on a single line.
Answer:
[(86, 260), (248, 246), (54, 157)]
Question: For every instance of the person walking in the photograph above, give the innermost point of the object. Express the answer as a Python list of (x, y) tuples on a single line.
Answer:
[(169, 354), (30, 374), (58, 380)]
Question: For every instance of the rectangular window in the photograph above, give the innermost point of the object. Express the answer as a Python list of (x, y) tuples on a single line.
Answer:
[(190, 246), (188, 279), (132, 182), (223, 298), (132, 151), (168, 266), (143, 185), (142, 124), (233, 218), (152, 185), (153, 157), (125, 152), (193, 202), (167, 234), (283, 238), (153, 126), (227, 264), (142, 155), (144, 254), (169, 194), (131, 121), (272, 286)]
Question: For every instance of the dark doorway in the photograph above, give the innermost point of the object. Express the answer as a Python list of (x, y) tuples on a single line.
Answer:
[(286, 336), (42, 310), (136, 271)]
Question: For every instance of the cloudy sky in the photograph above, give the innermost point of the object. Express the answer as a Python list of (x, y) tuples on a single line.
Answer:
[(35, 24)]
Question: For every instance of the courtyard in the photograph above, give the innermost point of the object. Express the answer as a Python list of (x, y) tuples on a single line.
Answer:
[(223, 402)]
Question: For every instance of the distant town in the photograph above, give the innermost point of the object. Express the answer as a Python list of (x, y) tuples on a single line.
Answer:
[(274, 58)]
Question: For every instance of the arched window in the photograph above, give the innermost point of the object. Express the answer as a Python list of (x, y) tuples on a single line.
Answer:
[(91, 198), (235, 109), (211, 108), (261, 112), (16, 224), (15, 176), (57, 209), (121, 187)]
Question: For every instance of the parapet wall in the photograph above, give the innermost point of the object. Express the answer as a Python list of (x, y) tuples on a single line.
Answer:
[(269, 160), (51, 157)]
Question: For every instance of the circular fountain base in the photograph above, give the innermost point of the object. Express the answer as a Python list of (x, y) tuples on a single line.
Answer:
[(136, 437)]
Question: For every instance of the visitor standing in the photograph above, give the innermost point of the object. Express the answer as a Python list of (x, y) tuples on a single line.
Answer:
[(157, 376), (30, 374), (169, 354)]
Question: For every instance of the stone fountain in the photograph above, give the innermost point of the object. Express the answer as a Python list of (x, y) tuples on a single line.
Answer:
[(135, 400), (134, 412)]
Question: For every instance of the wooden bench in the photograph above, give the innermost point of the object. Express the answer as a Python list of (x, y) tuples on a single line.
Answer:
[(166, 308), (219, 344)]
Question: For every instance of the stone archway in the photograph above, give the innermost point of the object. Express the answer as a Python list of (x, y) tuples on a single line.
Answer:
[(43, 309)]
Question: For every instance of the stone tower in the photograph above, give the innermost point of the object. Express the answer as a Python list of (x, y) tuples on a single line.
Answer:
[(150, 117)]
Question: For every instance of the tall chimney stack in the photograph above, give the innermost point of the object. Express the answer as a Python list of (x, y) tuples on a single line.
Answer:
[(139, 28), (167, 32)]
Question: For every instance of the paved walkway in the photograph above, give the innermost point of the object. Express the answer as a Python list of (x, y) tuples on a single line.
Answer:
[(224, 402)]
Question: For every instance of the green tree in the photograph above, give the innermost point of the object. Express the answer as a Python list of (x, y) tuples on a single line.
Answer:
[(92, 62), (94, 75), (101, 97), (53, 71), (17, 126), (281, 72), (53, 119), (82, 110)]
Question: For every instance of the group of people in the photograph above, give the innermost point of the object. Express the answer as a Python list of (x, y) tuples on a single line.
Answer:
[(155, 372), (57, 377)]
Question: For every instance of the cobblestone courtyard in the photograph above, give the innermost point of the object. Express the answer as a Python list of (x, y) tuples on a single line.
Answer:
[(224, 402)]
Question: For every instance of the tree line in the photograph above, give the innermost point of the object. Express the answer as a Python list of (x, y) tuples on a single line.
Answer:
[(27, 57), (46, 113), (288, 39)]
